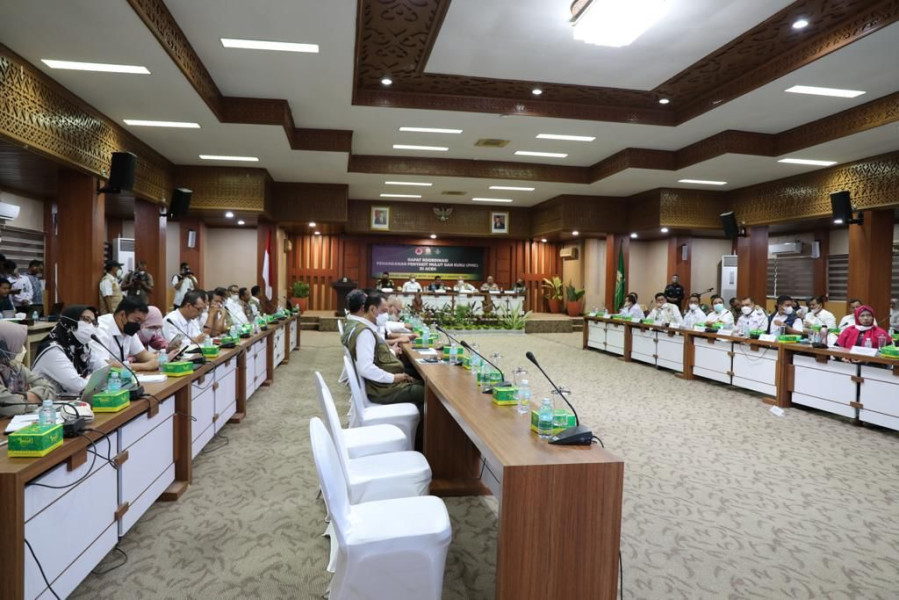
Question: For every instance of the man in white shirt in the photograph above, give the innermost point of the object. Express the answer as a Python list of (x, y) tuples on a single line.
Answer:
[(631, 308), (817, 316), (186, 319), (849, 319), (118, 332), (21, 299), (411, 286), (664, 311), (720, 314), (751, 317), (463, 286), (694, 315), (894, 314), (183, 282), (489, 285), (235, 308)]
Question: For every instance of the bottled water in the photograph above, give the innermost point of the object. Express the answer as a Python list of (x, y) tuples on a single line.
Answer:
[(454, 352), (868, 343), (162, 357), (34, 316), (545, 420), (47, 414), (484, 376), (524, 397), (114, 382)]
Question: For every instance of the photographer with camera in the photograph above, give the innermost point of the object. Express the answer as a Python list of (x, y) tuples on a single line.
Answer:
[(138, 284), (183, 282)]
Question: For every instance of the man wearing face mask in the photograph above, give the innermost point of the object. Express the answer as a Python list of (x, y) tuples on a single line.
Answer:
[(18, 385), (187, 319), (751, 317), (139, 283), (720, 314), (694, 314), (665, 312), (118, 332), (631, 308), (817, 316), (784, 316), (235, 307), (64, 357), (412, 286), (110, 291)]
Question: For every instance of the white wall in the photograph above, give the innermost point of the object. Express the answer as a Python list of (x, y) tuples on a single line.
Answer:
[(594, 273), (281, 294), (648, 269), (704, 259), (31, 211), (573, 270), (230, 257)]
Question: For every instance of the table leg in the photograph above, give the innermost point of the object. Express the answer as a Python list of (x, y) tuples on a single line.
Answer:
[(454, 459)]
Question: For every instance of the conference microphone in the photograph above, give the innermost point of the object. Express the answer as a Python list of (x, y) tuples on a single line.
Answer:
[(488, 389), (579, 435), (135, 392), (189, 339)]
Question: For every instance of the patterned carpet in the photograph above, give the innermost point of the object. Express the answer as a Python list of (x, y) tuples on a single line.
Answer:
[(721, 498)]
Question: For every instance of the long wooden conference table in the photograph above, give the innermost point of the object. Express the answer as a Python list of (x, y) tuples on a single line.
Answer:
[(559, 506), (863, 388), (151, 446)]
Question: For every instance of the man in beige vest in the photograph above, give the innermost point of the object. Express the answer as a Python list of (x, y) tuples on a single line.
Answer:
[(110, 291)]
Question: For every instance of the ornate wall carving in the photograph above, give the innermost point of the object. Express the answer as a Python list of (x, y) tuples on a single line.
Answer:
[(319, 202), (224, 188), (691, 209)]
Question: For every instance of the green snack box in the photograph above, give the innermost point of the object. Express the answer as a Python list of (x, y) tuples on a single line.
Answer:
[(111, 401), (178, 369), (648, 321), (34, 441), (789, 339), (622, 318), (559, 411), (420, 342), (505, 396), (466, 361), (210, 351), (890, 351)]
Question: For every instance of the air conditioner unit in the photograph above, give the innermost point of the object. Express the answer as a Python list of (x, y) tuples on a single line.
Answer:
[(123, 252), (727, 276), (8, 212), (786, 248), (569, 253)]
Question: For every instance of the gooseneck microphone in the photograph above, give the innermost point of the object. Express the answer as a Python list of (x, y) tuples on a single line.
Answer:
[(135, 392), (579, 435), (502, 383)]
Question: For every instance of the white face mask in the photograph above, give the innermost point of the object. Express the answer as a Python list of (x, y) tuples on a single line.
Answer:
[(718, 308), (84, 331), (863, 327), (788, 310), (381, 320), (694, 306), (747, 310)]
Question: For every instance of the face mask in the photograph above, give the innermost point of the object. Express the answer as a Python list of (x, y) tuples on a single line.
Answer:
[(788, 310), (146, 335), (83, 332), (718, 308), (21, 355), (694, 306), (747, 310), (863, 327), (382, 320), (130, 328), (392, 318)]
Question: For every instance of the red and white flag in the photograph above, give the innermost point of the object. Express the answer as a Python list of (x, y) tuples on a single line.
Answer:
[(267, 274)]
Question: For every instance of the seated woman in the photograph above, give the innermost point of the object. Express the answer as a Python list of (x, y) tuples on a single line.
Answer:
[(694, 314), (151, 331), (720, 314), (20, 389), (64, 357), (864, 332)]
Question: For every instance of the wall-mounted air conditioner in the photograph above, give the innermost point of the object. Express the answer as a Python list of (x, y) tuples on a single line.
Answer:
[(569, 253), (785, 248)]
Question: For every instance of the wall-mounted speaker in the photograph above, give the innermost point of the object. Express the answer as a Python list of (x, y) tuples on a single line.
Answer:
[(121, 173), (841, 206), (731, 228), (180, 203)]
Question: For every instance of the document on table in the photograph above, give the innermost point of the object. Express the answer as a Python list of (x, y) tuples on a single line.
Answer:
[(428, 352), (153, 378), (21, 421)]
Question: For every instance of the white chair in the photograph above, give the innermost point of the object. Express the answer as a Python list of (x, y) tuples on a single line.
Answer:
[(360, 441), (340, 326), (404, 414), (387, 549)]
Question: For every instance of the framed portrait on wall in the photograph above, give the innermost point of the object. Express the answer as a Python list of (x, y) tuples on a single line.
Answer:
[(380, 218), (499, 222)]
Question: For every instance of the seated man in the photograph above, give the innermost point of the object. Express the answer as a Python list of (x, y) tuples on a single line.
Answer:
[(436, 285), (784, 316), (411, 286), (254, 302), (849, 320), (234, 308), (489, 285), (694, 315), (186, 319), (5, 300), (355, 310), (385, 282), (751, 317), (664, 311), (118, 332), (463, 286), (520, 286), (817, 316), (631, 308), (219, 319), (395, 331)]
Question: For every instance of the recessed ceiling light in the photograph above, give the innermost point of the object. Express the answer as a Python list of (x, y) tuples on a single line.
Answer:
[(512, 188), (229, 215), (175, 124), (701, 182), (411, 183), (536, 91), (615, 23), (234, 158), (543, 240), (318, 233), (838, 221), (664, 100), (634, 235), (241, 223), (99, 67), (565, 138), (800, 24), (430, 130), (266, 45), (664, 230), (433, 236), (311, 223), (426, 148), (806, 161), (822, 91), (575, 233), (400, 195), (387, 81), (500, 200), (544, 154)]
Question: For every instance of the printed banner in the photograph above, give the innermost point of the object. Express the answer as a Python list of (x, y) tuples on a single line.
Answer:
[(450, 262)]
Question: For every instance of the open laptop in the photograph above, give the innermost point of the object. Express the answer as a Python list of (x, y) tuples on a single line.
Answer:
[(95, 384)]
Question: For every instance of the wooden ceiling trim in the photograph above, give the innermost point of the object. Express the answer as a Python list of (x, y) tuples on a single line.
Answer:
[(454, 167)]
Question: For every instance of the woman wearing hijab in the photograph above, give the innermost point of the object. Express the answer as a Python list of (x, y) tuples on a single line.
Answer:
[(64, 357), (151, 330), (17, 383), (864, 332)]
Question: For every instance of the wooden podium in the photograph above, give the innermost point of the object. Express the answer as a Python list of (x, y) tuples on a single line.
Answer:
[(342, 286)]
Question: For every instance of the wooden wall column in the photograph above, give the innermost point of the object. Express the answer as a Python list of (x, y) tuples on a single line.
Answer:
[(149, 245), (613, 244), (679, 266), (752, 265), (819, 280), (870, 261), (79, 236), (194, 256)]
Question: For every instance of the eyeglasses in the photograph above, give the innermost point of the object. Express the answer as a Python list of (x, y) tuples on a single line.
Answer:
[(88, 320)]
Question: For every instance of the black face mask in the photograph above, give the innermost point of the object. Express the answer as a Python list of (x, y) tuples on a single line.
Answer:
[(131, 328)]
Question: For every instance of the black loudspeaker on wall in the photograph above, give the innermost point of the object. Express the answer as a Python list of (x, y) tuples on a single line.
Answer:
[(731, 228), (180, 203), (841, 206), (121, 173)]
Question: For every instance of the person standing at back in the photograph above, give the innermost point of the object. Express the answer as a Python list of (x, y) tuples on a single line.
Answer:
[(22, 294), (138, 284), (110, 291), (35, 275), (674, 292), (183, 282)]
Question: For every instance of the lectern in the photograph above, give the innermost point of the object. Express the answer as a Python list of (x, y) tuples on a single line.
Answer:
[(342, 286)]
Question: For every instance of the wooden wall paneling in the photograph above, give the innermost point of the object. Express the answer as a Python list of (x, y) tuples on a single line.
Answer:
[(303, 202), (195, 256), (81, 223), (752, 265), (149, 245), (614, 244), (418, 219), (870, 261), (677, 265)]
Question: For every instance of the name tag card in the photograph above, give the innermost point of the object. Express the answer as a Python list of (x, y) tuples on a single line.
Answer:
[(862, 351), (725, 332), (767, 337), (509, 292), (495, 292)]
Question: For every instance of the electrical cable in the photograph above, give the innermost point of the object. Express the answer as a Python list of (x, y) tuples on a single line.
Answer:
[(596, 437), (621, 574), (41, 569), (90, 472), (113, 568)]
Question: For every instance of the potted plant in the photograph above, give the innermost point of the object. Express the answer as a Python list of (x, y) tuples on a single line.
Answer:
[(574, 300), (300, 297), (553, 293)]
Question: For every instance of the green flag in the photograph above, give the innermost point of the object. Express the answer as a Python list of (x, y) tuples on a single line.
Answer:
[(620, 282)]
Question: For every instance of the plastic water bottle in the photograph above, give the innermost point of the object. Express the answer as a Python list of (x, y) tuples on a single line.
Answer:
[(484, 376), (114, 382), (34, 316), (545, 420), (453, 357), (162, 357), (868, 343), (47, 414), (524, 397)]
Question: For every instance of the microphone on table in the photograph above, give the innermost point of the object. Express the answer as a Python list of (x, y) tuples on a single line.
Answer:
[(488, 389), (579, 435), (135, 392), (451, 338)]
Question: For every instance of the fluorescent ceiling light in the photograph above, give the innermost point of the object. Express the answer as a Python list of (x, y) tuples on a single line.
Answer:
[(664, 230), (317, 233), (265, 45), (430, 130), (701, 182), (498, 200), (565, 138), (575, 233), (536, 91), (664, 100), (176, 124), (427, 148), (387, 81), (615, 23), (433, 236), (838, 221), (822, 91), (311, 223), (543, 240), (634, 235), (806, 161), (241, 223), (512, 188), (544, 154), (235, 158), (100, 67), (400, 195), (229, 215), (412, 183)]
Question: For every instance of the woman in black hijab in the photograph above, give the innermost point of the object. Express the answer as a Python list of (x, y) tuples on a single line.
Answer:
[(64, 356)]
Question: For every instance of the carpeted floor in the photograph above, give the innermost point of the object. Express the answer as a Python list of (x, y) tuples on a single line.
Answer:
[(721, 498)]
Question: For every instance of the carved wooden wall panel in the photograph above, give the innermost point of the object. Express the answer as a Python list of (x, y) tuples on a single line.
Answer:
[(691, 209), (224, 188), (319, 202)]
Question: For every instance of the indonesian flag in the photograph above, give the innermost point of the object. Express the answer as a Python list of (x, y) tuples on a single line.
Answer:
[(267, 274)]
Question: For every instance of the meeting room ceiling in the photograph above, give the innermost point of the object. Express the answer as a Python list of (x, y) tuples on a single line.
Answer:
[(479, 62)]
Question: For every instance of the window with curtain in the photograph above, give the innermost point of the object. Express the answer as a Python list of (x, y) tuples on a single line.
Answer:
[(791, 276)]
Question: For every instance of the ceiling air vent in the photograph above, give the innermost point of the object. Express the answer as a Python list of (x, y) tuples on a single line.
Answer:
[(452, 193), (491, 143)]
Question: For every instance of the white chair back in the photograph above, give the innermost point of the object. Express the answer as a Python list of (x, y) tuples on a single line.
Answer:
[(332, 423), (355, 372), (340, 327), (331, 478), (325, 400), (356, 391)]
